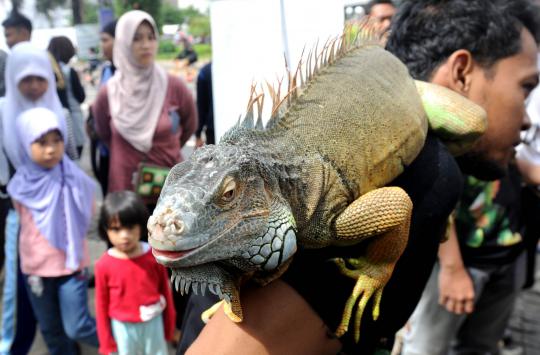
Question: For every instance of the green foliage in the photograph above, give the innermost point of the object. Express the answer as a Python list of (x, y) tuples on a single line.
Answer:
[(166, 56), (47, 6), (204, 51), (150, 6), (189, 13), (171, 15), (199, 26), (90, 12), (166, 46)]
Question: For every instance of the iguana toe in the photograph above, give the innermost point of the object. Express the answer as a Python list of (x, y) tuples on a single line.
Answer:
[(209, 313), (366, 287), (233, 312)]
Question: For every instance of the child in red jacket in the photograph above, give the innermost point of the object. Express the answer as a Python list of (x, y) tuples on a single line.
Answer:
[(134, 305)]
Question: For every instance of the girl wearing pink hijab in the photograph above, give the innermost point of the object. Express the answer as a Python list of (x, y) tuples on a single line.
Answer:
[(142, 113)]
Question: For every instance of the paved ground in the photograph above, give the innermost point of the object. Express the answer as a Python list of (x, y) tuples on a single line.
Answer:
[(525, 322)]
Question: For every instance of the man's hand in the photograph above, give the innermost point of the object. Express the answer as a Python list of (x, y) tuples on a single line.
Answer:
[(456, 290)]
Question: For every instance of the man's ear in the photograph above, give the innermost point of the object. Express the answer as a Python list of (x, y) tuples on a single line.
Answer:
[(456, 72)]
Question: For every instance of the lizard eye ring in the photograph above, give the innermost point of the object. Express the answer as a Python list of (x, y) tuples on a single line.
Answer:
[(229, 191)]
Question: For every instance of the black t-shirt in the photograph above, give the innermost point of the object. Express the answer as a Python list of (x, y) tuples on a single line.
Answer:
[(488, 220), (433, 182)]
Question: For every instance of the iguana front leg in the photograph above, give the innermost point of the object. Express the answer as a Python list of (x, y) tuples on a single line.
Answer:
[(384, 214)]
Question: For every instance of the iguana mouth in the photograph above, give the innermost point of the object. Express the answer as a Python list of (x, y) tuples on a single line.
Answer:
[(184, 282), (204, 277), (170, 256)]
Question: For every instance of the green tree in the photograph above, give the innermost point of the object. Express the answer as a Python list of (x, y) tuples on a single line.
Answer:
[(150, 6), (199, 26), (46, 7), (76, 10), (171, 14), (90, 12)]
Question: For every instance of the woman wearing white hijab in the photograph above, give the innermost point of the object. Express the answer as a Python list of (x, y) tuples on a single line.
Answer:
[(30, 83), (142, 113)]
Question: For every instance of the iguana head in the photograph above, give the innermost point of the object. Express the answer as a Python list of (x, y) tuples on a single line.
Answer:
[(221, 207)]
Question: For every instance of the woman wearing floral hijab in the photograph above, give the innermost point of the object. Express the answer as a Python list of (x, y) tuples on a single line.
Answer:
[(142, 113)]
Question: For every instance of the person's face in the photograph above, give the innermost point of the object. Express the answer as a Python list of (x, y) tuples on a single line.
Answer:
[(502, 91), (15, 35), (144, 45), (107, 43), (124, 238), (381, 15), (47, 151), (33, 87)]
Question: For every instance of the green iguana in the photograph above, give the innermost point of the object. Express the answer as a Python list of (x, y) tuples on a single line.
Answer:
[(315, 176)]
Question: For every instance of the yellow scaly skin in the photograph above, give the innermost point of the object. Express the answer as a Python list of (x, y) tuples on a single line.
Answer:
[(385, 212)]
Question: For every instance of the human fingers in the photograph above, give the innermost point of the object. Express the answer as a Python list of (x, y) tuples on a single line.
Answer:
[(449, 304), (468, 306)]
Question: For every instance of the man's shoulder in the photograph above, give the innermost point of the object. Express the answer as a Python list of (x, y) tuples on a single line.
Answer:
[(433, 164)]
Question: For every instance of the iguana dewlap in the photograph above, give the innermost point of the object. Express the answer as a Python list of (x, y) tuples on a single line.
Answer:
[(315, 176)]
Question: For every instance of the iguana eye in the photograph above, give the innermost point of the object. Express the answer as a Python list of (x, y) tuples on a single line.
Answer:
[(229, 191)]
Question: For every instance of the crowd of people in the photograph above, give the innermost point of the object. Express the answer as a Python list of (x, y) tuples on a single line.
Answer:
[(141, 117), (473, 234)]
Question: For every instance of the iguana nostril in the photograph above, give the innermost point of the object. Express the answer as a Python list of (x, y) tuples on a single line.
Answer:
[(178, 226), (171, 222), (155, 231)]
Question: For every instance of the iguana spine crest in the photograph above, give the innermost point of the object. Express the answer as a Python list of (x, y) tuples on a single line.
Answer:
[(352, 38)]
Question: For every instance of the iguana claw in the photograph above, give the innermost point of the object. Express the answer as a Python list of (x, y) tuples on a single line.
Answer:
[(366, 286), (229, 309), (209, 313)]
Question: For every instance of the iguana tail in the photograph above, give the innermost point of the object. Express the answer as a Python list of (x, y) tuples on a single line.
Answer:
[(455, 119)]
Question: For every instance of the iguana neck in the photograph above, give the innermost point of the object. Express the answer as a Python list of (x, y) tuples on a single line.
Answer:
[(283, 166)]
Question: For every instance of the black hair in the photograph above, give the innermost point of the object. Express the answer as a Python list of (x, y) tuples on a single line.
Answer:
[(372, 3), (128, 208), (424, 33), (18, 20), (61, 49), (150, 25), (524, 13), (110, 28)]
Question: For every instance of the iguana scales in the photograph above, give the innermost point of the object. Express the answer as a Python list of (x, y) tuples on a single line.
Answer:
[(315, 175)]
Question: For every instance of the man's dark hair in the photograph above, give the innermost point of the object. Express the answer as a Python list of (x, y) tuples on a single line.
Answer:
[(424, 33), (18, 20), (61, 49), (110, 28), (127, 208), (372, 3)]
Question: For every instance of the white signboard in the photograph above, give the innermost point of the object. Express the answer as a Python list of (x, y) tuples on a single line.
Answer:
[(250, 39)]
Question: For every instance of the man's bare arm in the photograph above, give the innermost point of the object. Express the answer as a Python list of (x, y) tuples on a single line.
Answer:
[(456, 290), (277, 320)]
